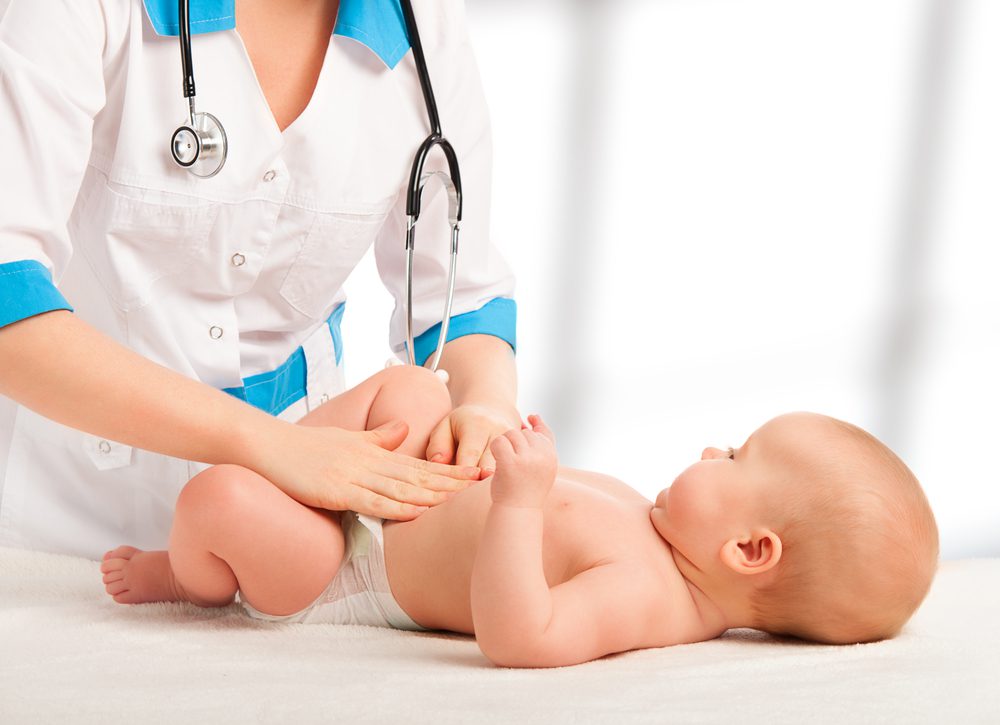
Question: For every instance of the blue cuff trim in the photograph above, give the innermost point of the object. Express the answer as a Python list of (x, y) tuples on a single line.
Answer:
[(207, 16), (498, 317), (26, 290), (274, 391), (377, 24)]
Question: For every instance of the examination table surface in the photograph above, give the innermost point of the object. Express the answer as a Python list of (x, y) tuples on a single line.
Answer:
[(68, 653)]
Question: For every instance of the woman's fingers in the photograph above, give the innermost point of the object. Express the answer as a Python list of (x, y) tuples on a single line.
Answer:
[(340, 470), (471, 447), (488, 463), (441, 445), (475, 427), (392, 488), (389, 436), (373, 504), (426, 475)]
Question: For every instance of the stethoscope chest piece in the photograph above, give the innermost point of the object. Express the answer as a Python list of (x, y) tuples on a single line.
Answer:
[(200, 146)]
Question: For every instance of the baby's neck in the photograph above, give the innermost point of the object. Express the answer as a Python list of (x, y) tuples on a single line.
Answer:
[(719, 605)]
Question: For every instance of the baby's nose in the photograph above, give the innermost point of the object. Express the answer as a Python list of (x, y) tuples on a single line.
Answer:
[(711, 453)]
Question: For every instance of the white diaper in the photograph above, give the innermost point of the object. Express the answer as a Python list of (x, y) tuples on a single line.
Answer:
[(359, 593)]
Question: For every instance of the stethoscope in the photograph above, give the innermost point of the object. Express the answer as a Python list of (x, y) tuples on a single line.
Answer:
[(200, 146)]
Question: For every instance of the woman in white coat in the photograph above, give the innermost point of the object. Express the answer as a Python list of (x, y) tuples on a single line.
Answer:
[(153, 322)]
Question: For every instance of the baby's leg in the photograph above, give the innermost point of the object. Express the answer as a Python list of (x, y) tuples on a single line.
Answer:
[(234, 530), (404, 392)]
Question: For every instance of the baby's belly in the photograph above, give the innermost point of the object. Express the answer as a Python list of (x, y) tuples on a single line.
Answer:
[(429, 560)]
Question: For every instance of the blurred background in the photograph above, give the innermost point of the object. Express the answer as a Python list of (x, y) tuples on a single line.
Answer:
[(723, 210)]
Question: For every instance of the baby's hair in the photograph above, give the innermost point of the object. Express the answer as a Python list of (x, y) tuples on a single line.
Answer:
[(859, 542)]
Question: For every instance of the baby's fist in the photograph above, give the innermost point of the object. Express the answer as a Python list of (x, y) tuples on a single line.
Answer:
[(526, 465)]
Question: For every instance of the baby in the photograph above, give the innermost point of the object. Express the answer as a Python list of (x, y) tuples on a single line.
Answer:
[(812, 528)]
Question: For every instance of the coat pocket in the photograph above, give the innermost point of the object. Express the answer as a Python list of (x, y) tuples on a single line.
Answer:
[(145, 242), (330, 251)]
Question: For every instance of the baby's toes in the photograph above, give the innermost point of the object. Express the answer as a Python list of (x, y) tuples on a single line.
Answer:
[(122, 552), (115, 588), (112, 565)]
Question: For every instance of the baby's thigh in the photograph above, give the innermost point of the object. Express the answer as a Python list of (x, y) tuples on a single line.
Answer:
[(282, 553)]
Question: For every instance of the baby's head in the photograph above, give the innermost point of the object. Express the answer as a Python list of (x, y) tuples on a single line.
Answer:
[(812, 528)]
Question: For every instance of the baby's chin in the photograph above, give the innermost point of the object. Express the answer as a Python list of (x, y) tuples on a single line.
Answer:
[(661, 498), (657, 519)]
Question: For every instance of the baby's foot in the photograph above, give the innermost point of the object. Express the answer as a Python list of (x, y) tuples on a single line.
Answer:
[(132, 576)]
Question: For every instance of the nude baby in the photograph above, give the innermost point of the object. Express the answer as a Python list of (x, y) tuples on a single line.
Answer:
[(811, 528)]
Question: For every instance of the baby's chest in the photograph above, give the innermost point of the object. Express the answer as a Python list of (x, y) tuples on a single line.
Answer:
[(584, 531)]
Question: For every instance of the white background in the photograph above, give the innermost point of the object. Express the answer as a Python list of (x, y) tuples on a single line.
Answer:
[(723, 210)]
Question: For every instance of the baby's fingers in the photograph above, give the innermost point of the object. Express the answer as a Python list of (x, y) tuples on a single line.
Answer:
[(517, 439), (538, 425)]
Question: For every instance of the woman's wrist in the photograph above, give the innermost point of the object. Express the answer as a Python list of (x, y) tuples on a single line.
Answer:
[(483, 372), (249, 440)]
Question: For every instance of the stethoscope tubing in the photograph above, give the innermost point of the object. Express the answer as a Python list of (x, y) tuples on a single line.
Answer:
[(201, 147)]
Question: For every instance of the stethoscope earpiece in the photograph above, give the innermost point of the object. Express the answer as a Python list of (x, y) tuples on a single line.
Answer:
[(200, 147)]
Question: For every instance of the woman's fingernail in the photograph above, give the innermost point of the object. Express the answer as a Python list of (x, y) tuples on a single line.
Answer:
[(437, 458)]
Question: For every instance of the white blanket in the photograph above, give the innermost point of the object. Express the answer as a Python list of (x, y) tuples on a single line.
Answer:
[(70, 654)]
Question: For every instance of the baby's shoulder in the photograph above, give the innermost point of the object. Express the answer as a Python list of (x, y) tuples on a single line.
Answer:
[(654, 593), (601, 482)]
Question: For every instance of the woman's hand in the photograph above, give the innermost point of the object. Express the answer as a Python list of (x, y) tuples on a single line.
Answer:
[(464, 436), (343, 470)]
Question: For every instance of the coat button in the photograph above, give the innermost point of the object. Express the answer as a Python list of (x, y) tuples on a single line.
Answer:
[(215, 332), (270, 174), (239, 260), (104, 446)]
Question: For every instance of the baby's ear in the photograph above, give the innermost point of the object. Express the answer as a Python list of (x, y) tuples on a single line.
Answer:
[(752, 554)]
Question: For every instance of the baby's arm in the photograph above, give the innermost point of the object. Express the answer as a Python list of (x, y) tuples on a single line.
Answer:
[(519, 621)]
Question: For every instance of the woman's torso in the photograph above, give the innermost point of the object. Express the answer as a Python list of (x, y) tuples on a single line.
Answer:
[(235, 280)]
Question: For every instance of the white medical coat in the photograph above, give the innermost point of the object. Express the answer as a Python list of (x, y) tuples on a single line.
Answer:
[(229, 280)]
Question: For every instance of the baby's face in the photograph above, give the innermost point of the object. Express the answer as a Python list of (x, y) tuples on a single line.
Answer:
[(722, 496)]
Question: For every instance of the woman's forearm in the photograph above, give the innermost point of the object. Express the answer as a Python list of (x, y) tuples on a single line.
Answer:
[(64, 369), (482, 371)]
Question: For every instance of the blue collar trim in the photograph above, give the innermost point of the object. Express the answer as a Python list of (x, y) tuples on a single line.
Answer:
[(377, 24)]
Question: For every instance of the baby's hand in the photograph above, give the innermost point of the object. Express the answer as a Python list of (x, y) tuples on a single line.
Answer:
[(526, 465)]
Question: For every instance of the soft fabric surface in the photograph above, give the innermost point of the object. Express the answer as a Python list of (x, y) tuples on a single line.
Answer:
[(68, 653)]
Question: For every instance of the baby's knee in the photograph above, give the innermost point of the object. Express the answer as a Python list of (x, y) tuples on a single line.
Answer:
[(213, 493), (417, 384)]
